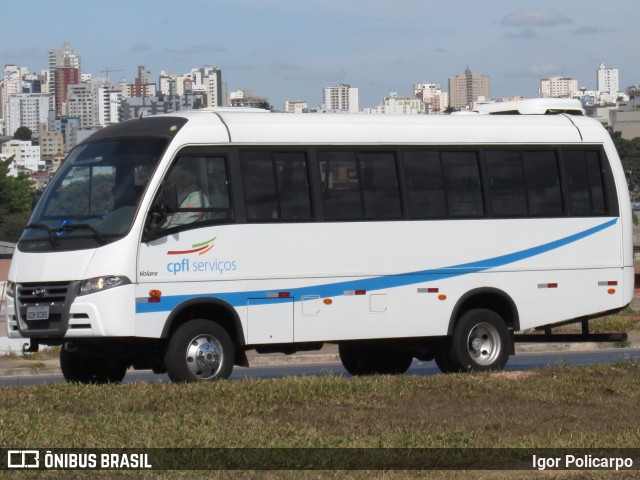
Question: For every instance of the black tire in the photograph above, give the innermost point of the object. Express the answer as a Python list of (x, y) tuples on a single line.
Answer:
[(480, 342), (79, 368), (441, 357), (199, 350), (363, 359)]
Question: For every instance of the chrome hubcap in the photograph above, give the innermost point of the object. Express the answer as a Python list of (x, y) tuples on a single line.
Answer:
[(204, 356), (484, 344)]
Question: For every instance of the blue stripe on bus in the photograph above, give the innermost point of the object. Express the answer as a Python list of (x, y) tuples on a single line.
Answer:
[(237, 299)]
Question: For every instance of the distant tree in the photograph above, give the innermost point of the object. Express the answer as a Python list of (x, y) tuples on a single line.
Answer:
[(266, 105), (16, 197), (23, 133), (12, 226), (629, 152)]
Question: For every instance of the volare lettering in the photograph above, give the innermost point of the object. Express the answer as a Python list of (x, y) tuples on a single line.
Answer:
[(147, 273)]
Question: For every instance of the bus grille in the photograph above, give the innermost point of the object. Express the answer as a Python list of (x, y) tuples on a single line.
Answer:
[(52, 295)]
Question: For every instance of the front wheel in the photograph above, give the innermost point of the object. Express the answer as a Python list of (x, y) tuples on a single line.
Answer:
[(199, 350), (364, 359), (79, 368), (480, 342)]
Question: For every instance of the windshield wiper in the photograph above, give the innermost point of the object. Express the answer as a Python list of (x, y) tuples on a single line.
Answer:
[(42, 226), (79, 226)]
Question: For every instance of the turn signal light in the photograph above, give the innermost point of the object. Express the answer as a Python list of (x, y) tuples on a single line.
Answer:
[(154, 296)]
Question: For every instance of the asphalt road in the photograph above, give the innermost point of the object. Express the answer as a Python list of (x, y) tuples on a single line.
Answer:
[(520, 362)]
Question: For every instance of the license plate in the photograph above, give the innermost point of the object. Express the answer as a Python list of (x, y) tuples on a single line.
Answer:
[(37, 313)]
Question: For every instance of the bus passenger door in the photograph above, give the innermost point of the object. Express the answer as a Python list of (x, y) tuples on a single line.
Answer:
[(269, 320)]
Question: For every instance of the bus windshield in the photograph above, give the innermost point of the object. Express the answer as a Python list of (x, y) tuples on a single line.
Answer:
[(93, 198)]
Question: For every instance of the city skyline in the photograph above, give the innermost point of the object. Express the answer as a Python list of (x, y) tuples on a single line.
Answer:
[(286, 50)]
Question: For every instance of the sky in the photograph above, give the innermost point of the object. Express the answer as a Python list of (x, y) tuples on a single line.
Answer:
[(292, 49)]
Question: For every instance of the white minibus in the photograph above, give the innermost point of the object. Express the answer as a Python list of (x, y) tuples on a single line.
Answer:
[(179, 242)]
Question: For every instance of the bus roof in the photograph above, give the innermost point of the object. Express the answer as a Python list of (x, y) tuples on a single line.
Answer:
[(287, 128)]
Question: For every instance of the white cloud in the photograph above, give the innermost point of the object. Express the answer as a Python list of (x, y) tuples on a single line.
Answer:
[(534, 18), (20, 53), (534, 71), (525, 33), (588, 30)]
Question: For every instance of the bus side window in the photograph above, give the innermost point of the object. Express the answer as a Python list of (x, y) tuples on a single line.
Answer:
[(425, 184), (462, 180), (260, 191), (380, 188), (276, 186), (340, 186), (506, 183), (293, 185), (202, 187), (543, 183), (584, 182)]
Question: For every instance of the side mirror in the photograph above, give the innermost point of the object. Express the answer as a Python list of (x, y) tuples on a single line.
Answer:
[(169, 195), (165, 204)]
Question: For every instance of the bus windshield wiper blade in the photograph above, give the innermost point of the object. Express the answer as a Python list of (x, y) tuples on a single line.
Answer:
[(42, 226), (80, 226)]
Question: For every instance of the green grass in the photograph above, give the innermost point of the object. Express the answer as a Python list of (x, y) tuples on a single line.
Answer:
[(592, 406), (625, 321), (558, 407), (43, 354)]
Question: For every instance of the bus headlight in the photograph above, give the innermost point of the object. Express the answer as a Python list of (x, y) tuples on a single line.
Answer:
[(98, 284)]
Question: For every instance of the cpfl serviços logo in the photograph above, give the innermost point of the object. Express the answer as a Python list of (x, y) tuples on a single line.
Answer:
[(189, 265)]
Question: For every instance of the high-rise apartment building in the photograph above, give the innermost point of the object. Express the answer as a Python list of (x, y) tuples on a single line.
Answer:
[(68, 60), (341, 98), (109, 100), (466, 88), (64, 77), (295, 106), (142, 86), (51, 142), (144, 75), (607, 80), (558, 87), (82, 103), (433, 98), (26, 110), (26, 156), (10, 85)]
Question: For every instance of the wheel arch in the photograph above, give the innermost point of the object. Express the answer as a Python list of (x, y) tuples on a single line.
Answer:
[(212, 309), (489, 298)]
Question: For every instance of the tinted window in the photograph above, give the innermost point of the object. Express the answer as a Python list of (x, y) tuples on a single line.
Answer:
[(425, 184), (260, 192), (462, 182), (276, 186), (340, 186), (381, 193), (543, 183), (293, 186), (584, 182), (359, 185), (507, 189), (203, 190)]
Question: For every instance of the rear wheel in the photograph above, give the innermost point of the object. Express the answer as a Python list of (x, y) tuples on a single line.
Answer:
[(199, 350), (81, 368), (480, 342), (365, 359)]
